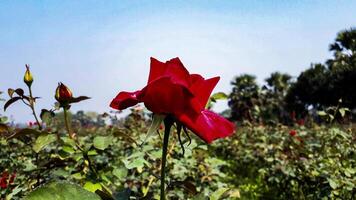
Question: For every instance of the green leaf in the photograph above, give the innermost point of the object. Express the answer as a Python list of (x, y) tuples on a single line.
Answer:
[(61, 190), (3, 119), (102, 142), (218, 193), (156, 122), (342, 112), (219, 96), (92, 187), (136, 163), (213, 98), (29, 166), (333, 184), (125, 136), (199, 197), (68, 141), (47, 115), (42, 141), (322, 113), (120, 173)]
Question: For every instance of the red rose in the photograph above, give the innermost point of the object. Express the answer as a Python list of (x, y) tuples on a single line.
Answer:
[(3, 179), (292, 133), (172, 90), (300, 122)]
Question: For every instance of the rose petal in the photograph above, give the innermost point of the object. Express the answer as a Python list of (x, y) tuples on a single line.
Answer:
[(209, 126), (178, 73), (202, 88), (125, 99), (173, 68), (163, 96), (157, 69)]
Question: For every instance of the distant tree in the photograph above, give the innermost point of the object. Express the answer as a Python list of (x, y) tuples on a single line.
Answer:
[(310, 89), (273, 95), (244, 98), (321, 85), (279, 83), (343, 68)]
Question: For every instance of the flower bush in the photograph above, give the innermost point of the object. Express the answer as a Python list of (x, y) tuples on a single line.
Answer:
[(80, 156)]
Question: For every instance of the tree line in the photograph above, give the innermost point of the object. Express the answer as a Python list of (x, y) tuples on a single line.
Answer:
[(320, 87)]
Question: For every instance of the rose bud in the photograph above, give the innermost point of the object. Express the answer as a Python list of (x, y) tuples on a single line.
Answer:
[(28, 79), (63, 93)]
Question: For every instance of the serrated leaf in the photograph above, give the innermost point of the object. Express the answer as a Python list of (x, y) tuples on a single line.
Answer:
[(42, 141), (102, 142), (120, 172), (61, 190)]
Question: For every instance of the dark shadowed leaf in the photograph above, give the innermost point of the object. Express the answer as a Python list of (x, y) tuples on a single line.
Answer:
[(11, 101), (187, 185), (61, 190), (3, 129), (47, 115), (104, 195), (19, 91), (25, 131), (123, 135), (11, 92), (123, 195), (78, 99)]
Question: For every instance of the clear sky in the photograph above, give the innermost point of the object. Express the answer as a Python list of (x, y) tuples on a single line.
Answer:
[(99, 48)]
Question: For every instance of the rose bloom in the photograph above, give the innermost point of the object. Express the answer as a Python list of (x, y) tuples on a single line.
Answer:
[(292, 133), (172, 90)]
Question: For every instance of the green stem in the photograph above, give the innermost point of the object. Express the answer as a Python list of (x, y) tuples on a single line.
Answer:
[(71, 136), (66, 122), (168, 122), (33, 109)]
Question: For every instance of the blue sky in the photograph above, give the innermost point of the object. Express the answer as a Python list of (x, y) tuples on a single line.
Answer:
[(99, 48)]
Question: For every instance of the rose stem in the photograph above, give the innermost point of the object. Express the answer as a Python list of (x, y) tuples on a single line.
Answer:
[(168, 122)]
